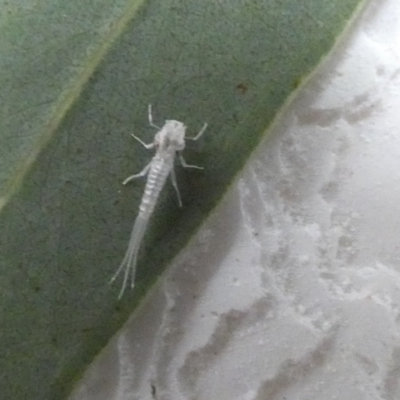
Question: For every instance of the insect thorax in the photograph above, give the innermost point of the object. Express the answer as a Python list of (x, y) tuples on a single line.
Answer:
[(171, 137)]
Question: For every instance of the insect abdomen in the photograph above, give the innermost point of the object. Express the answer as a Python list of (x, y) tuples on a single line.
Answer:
[(155, 182)]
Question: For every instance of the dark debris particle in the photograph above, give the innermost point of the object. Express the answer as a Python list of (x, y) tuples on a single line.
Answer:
[(242, 88)]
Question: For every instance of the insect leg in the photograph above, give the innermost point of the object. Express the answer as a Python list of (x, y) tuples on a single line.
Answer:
[(175, 185), (151, 119), (202, 130), (147, 146), (184, 165), (139, 175)]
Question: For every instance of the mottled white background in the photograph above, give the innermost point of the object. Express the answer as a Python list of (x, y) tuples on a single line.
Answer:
[(291, 290)]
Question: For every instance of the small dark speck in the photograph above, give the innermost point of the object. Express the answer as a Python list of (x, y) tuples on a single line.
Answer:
[(54, 340), (153, 391), (37, 289), (242, 88), (117, 308)]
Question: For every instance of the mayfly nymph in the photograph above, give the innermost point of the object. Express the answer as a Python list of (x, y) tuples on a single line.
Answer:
[(168, 142)]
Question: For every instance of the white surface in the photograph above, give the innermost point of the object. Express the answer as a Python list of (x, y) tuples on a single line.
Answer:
[(292, 289)]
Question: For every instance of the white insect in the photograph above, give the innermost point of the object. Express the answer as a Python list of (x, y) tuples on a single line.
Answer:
[(168, 141)]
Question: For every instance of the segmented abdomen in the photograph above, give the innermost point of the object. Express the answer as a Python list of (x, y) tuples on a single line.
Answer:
[(159, 171)]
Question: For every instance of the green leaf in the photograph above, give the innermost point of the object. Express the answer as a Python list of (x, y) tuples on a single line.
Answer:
[(76, 79)]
